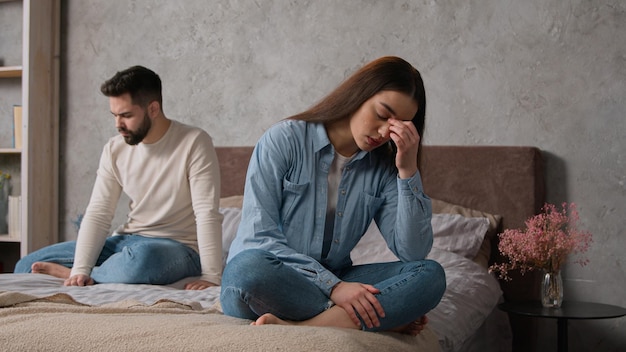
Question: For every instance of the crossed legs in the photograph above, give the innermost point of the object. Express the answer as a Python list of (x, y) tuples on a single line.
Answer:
[(256, 285)]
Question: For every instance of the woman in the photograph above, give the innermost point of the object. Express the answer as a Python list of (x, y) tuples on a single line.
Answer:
[(315, 182)]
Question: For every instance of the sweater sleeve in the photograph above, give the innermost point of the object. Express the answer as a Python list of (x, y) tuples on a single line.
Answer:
[(96, 223), (204, 181)]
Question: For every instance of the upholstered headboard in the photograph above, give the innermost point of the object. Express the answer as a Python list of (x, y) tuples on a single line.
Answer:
[(508, 181), (233, 167)]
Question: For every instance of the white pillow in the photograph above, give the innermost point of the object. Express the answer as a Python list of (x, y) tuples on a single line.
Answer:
[(471, 295), (232, 217), (458, 234), (372, 248), (451, 232)]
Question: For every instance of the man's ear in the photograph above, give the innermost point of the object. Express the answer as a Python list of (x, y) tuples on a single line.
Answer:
[(153, 108)]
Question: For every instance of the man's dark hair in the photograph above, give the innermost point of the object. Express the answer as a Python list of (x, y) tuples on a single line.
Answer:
[(143, 85)]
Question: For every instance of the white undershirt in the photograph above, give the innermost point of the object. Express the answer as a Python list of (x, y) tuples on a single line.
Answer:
[(334, 177)]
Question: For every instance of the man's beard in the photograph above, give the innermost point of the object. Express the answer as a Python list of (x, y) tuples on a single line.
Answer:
[(135, 137)]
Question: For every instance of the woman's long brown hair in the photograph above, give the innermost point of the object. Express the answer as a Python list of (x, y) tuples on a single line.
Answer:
[(385, 73)]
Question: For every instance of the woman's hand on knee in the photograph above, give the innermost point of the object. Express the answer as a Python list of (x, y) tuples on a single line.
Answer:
[(355, 297)]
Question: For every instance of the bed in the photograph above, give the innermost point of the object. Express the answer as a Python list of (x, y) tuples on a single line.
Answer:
[(477, 191)]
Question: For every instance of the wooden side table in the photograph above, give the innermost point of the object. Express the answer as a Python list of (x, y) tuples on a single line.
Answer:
[(568, 310)]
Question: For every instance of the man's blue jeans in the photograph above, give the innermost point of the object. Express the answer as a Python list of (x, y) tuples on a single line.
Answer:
[(256, 282), (130, 259)]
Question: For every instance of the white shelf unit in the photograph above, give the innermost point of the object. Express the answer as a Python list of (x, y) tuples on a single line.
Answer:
[(39, 155)]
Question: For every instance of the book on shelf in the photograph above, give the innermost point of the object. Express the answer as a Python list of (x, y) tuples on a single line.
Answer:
[(17, 126), (15, 217)]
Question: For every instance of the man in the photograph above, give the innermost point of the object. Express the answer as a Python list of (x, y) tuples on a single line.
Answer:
[(170, 172)]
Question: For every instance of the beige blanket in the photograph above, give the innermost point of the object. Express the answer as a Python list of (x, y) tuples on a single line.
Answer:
[(59, 323)]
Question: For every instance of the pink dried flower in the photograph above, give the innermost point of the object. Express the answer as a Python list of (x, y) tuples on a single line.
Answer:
[(550, 237)]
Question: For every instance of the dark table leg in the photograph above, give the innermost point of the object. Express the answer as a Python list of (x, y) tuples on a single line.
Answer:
[(562, 334)]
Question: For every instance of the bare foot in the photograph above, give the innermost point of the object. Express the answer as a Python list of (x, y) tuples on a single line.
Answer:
[(413, 328), (54, 269), (269, 318)]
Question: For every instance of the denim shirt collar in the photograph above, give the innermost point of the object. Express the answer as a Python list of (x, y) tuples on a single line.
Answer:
[(321, 141)]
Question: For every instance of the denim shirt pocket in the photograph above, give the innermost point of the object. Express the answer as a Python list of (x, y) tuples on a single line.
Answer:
[(370, 206), (293, 195)]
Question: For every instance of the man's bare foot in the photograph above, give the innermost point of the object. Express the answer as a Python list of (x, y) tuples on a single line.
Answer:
[(54, 269), (269, 318)]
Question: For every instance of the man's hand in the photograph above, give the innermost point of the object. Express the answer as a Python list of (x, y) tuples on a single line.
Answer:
[(356, 297), (198, 285), (79, 280)]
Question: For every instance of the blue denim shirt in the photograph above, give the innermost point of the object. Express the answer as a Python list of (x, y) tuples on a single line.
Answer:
[(285, 199)]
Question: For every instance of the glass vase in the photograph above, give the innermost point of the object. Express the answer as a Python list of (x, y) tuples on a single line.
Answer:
[(552, 289)]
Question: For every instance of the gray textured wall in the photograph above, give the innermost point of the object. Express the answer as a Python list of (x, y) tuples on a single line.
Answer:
[(547, 73)]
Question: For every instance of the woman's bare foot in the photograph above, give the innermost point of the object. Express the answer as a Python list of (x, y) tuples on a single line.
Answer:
[(335, 316), (413, 328), (54, 269), (269, 318)]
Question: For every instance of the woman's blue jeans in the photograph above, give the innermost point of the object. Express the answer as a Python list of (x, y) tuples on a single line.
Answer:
[(130, 259), (256, 282)]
